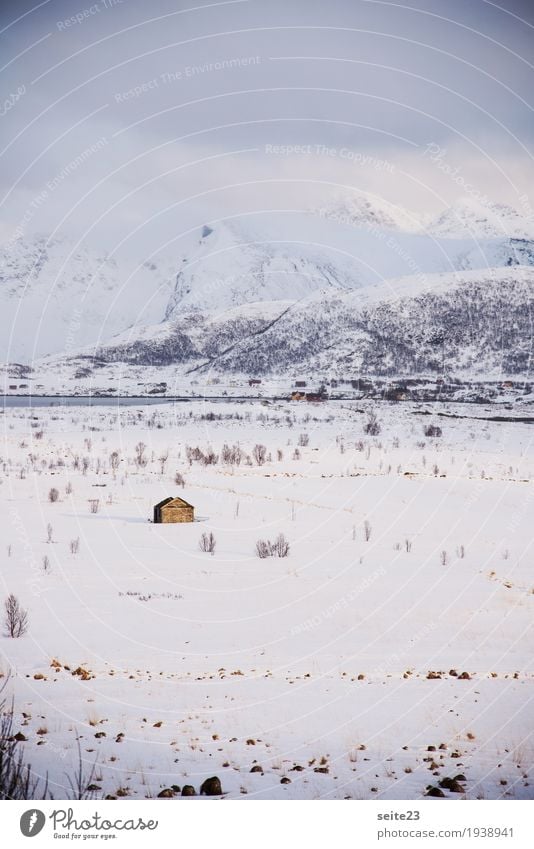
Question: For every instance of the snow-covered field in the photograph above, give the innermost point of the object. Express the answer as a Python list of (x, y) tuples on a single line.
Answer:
[(409, 555)]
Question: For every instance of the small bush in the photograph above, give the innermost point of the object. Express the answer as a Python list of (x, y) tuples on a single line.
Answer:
[(53, 495), (179, 480), (278, 548), (207, 543), (114, 461), (263, 549), (231, 455), (259, 452), (372, 426), (433, 430), (16, 780)]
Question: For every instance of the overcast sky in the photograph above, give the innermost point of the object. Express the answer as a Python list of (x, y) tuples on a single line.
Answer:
[(127, 122)]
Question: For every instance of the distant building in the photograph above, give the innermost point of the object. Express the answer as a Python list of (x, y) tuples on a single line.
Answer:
[(507, 384), (396, 393), (254, 381), (298, 396), (314, 397), (173, 510), (300, 384)]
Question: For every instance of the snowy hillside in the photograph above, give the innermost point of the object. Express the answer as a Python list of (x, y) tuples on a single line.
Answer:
[(271, 257), (264, 292), (466, 323), (55, 297)]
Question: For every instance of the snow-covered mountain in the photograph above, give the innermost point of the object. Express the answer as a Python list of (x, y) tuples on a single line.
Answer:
[(357, 284), (362, 209), (56, 296), (288, 256), (471, 218), (462, 322)]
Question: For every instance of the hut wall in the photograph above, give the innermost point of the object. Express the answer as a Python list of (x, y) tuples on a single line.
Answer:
[(177, 514)]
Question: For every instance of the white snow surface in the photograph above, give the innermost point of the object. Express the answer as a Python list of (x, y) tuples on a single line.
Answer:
[(313, 667)]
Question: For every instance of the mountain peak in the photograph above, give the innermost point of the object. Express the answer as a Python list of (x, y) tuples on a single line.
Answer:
[(473, 217), (364, 209)]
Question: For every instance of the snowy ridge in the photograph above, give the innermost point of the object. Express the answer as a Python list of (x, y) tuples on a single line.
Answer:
[(472, 323), (345, 286)]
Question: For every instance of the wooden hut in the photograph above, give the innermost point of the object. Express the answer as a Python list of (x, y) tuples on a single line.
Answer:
[(173, 510)]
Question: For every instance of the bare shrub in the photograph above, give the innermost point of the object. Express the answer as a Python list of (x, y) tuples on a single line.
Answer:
[(408, 545), (231, 455), (68, 488), (179, 480), (164, 456), (444, 558), (460, 551), (53, 495), (16, 618), (304, 440), (46, 565), (280, 547), (279, 454), (140, 459), (367, 530), (296, 454), (259, 452), (372, 426), (207, 543), (81, 783), (208, 458), (263, 549), (94, 505), (75, 545), (49, 532), (114, 461), (16, 780), (433, 430)]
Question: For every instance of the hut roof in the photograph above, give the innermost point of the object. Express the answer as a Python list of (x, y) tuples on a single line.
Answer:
[(179, 502)]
